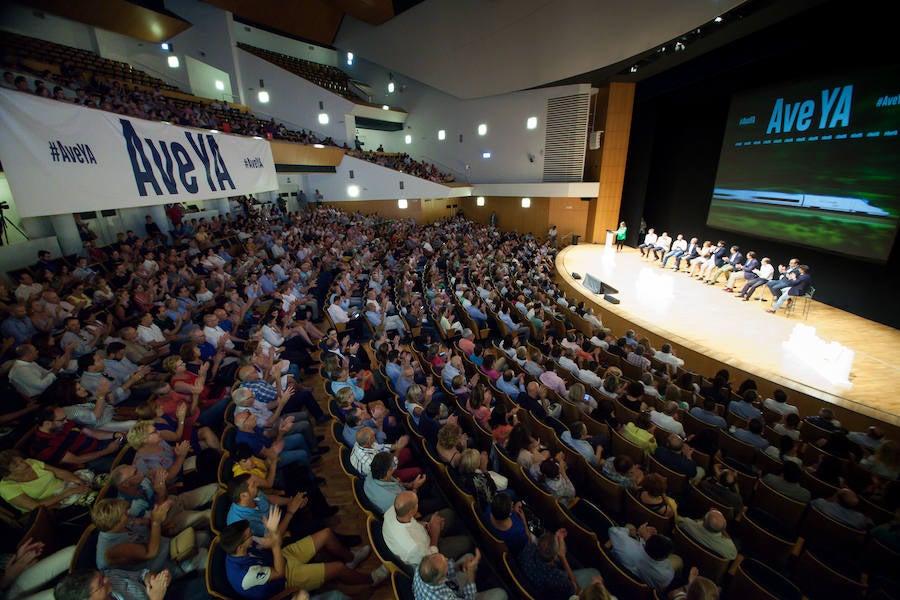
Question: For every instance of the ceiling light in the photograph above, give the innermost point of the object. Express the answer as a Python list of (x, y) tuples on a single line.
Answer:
[(479, 201), (165, 46), (402, 203), (679, 46), (633, 69), (485, 155), (318, 146), (408, 139), (442, 135), (526, 202), (173, 61), (349, 58), (531, 123), (323, 118), (262, 95), (482, 129), (220, 85), (391, 87), (385, 107), (718, 19), (353, 191)]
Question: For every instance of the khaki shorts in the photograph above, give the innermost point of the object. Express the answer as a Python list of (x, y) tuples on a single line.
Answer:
[(298, 573)]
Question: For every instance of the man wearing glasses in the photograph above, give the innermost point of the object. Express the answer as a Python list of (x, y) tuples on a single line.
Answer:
[(58, 442), (90, 584)]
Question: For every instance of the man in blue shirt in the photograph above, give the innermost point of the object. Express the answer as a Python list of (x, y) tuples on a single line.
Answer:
[(708, 414), (546, 567), (17, 325), (752, 435), (263, 571), (744, 408)]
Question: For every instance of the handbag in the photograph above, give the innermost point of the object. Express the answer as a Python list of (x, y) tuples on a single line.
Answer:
[(183, 546), (535, 526), (500, 481)]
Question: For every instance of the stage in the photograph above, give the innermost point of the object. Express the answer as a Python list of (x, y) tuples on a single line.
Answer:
[(831, 355)]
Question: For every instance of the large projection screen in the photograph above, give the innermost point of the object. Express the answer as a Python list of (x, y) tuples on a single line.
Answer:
[(814, 164)]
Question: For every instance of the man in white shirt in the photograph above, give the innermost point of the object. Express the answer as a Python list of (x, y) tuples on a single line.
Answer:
[(150, 333), (27, 288), (663, 243), (666, 419), (591, 318), (213, 332), (411, 540), (679, 247), (28, 377), (778, 404), (665, 355), (649, 243)]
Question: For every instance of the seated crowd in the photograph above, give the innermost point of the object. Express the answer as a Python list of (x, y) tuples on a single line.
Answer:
[(113, 93), (455, 366)]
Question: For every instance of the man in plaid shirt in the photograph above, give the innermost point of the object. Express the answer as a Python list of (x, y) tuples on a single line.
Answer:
[(437, 578)]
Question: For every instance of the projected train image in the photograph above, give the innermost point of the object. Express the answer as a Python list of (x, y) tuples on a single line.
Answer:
[(813, 201)]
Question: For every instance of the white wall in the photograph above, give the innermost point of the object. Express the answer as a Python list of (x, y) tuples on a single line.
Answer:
[(25, 253), (146, 56), (375, 183), (22, 20), (430, 110), (277, 43), (203, 78), (292, 98)]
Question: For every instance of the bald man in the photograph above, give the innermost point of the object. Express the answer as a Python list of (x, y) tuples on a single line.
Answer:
[(709, 532), (411, 540), (438, 577), (534, 399), (842, 506)]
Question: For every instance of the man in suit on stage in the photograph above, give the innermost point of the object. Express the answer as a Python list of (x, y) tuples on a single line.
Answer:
[(716, 260), (776, 285), (799, 285), (734, 261), (746, 271)]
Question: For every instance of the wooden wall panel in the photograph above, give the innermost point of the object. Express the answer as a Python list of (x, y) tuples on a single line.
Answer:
[(570, 217), (510, 214), (385, 208), (617, 129), (289, 153)]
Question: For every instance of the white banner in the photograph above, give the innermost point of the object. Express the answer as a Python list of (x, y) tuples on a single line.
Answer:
[(62, 158)]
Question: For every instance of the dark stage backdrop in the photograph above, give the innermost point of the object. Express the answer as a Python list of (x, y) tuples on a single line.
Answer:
[(679, 123)]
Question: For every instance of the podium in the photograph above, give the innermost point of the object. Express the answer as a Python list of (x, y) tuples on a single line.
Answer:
[(610, 236)]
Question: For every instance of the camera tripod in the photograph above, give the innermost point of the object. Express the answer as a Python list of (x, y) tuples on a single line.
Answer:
[(4, 224)]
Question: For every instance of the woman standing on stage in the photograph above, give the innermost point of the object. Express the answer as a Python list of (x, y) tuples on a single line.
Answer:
[(620, 236)]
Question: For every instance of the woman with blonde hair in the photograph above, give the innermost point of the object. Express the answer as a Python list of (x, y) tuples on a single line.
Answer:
[(134, 544), (580, 398), (152, 451)]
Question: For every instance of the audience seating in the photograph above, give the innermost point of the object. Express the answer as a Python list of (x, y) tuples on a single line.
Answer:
[(754, 580), (710, 565)]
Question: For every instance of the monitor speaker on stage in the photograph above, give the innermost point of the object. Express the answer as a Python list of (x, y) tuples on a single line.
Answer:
[(575, 275), (593, 284), (610, 299)]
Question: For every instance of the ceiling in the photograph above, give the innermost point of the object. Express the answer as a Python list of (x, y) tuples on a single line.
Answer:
[(476, 48)]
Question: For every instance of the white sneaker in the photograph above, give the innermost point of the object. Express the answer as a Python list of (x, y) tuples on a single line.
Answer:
[(197, 563), (359, 555), (379, 575)]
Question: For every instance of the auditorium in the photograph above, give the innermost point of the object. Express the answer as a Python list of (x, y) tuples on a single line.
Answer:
[(449, 299)]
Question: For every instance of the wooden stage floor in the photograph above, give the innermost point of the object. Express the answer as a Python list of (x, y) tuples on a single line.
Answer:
[(832, 355)]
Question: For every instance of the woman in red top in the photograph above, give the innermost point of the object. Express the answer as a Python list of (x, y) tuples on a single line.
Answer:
[(191, 384)]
